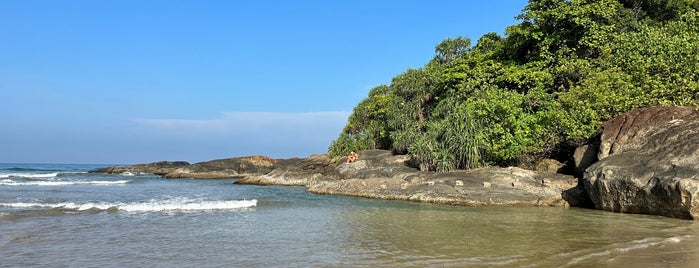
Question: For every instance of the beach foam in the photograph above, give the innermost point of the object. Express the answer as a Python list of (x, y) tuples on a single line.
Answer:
[(9, 182), (622, 248), (149, 206), (29, 175)]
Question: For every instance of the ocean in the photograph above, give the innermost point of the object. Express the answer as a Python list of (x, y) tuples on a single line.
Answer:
[(63, 216)]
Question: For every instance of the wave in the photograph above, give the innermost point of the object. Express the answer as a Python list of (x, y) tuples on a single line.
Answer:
[(621, 248), (9, 182), (22, 169), (30, 175), (149, 206)]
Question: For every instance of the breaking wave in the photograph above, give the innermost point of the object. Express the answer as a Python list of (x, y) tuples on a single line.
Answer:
[(10, 182), (29, 175), (149, 206), (25, 169)]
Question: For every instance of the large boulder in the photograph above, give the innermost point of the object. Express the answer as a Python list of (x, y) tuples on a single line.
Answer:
[(584, 156), (649, 163)]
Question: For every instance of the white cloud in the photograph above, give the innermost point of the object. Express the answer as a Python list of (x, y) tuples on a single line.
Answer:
[(273, 133), (249, 122)]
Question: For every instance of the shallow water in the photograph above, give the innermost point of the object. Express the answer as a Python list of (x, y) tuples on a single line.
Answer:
[(74, 218)]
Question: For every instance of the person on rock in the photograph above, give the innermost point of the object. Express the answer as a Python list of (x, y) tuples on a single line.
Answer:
[(352, 157)]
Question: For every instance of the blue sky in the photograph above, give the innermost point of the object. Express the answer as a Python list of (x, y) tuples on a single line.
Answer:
[(123, 82)]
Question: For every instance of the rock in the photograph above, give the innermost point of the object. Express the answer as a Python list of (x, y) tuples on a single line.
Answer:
[(216, 169), (236, 167), (293, 172), (578, 197), (584, 156), (548, 166), (629, 131), (379, 174), (158, 168), (649, 163), (374, 163)]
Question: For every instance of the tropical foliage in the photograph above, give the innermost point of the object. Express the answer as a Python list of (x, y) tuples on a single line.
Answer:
[(537, 91)]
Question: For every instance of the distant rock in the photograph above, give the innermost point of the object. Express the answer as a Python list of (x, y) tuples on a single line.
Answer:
[(649, 163), (237, 167), (158, 168), (227, 168)]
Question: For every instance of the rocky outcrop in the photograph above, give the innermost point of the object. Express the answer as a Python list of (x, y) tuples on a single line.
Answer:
[(372, 164), (238, 167), (293, 172), (649, 163), (158, 168), (379, 174), (481, 187)]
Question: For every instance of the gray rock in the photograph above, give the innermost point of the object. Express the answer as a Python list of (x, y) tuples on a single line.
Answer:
[(293, 172), (374, 163), (379, 174), (158, 168), (236, 167), (584, 156), (649, 163), (548, 165)]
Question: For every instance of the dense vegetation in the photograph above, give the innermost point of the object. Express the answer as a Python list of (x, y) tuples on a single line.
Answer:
[(543, 88)]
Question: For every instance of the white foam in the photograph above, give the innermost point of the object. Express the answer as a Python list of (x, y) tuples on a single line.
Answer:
[(30, 175), (149, 206), (170, 205), (625, 248), (9, 182), (127, 174)]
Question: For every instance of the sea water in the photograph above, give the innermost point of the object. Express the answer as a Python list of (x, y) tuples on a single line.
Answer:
[(63, 216)]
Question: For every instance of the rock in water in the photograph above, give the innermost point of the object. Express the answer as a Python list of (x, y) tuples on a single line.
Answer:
[(649, 163), (158, 168)]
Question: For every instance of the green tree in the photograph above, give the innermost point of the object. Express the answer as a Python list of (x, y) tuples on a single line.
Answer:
[(536, 92), (451, 49)]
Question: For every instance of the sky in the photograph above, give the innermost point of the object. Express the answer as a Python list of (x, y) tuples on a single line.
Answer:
[(138, 81)]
